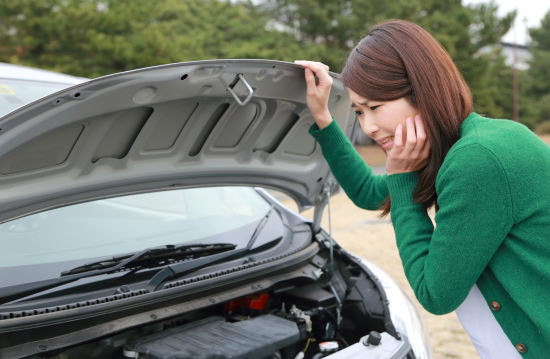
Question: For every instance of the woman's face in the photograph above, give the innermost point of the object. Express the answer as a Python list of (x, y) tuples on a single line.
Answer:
[(379, 119)]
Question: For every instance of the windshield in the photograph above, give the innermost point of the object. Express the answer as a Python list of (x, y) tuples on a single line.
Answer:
[(126, 224), (16, 93)]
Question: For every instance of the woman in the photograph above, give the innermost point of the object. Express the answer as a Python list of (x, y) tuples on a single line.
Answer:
[(488, 258)]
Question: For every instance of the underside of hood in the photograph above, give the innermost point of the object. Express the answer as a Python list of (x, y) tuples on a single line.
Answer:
[(217, 122)]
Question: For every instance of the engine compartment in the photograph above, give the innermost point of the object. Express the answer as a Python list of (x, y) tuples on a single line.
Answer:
[(216, 337), (296, 318)]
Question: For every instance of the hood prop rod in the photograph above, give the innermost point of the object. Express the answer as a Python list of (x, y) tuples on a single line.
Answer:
[(327, 242), (317, 216)]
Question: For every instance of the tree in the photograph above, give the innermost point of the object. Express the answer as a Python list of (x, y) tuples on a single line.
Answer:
[(97, 37), (462, 30), (538, 86)]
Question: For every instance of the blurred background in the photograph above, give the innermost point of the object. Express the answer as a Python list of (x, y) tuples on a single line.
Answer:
[(502, 50)]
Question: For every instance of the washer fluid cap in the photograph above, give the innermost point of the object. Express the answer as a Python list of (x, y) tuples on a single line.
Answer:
[(331, 346)]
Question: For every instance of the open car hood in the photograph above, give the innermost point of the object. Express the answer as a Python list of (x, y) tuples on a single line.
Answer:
[(199, 123)]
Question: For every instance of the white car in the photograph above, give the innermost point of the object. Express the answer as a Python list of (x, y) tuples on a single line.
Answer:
[(20, 85), (134, 221)]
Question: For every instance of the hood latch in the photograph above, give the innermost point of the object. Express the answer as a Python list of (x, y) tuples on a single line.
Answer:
[(249, 88)]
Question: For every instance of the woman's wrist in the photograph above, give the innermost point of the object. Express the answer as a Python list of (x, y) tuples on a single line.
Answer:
[(323, 119), (401, 187), (391, 171)]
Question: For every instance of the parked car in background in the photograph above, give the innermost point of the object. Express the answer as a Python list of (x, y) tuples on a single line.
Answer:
[(20, 85), (135, 222)]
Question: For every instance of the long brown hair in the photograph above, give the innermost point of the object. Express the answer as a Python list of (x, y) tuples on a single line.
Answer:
[(400, 59)]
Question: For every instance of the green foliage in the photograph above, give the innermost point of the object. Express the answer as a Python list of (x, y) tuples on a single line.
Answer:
[(463, 31), (540, 37), (96, 37), (538, 81)]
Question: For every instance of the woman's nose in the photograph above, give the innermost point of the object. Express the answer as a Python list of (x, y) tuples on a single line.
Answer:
[(368, 126)]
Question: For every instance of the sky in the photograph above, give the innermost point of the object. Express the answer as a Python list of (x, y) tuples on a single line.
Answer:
[(529, 14)]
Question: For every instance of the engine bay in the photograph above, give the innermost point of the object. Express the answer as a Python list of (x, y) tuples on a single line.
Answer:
[(294, 319)]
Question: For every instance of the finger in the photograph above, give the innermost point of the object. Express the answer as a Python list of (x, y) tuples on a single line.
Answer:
[(420, 136), (310, 80), (411, 135), (310, 63), (419, 126), (316, 67), (426, 149), (398, 137), (322, 77)]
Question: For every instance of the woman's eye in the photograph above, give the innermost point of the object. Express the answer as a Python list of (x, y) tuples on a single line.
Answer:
[(372, 108), (358, 113)]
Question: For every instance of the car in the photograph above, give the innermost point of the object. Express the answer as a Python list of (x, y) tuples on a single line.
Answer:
[(20, 85), (140, 218)]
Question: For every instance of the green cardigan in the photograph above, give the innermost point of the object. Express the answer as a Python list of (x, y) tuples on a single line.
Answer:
[(493, 223)]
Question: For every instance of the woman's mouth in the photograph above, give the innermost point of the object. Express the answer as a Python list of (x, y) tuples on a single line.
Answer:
[(386, 143)]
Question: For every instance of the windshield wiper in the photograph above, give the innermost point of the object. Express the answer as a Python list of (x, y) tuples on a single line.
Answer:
[(194, 257), (148, 258), (179, 269), (153, 257)]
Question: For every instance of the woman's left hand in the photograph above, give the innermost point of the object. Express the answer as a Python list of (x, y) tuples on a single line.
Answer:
[(411, 148)]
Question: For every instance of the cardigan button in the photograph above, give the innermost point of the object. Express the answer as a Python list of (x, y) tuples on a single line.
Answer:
[(522, 348), (495, 306)]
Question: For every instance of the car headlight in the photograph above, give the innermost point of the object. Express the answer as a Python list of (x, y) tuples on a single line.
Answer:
[(403, 312)]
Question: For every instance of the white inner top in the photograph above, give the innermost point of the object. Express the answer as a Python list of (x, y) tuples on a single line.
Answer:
[(482, 327)]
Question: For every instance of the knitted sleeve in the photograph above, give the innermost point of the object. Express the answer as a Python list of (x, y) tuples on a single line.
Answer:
[(474, 217), (365, 189)]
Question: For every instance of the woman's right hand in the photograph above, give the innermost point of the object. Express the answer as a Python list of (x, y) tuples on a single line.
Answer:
[(319, 84)]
